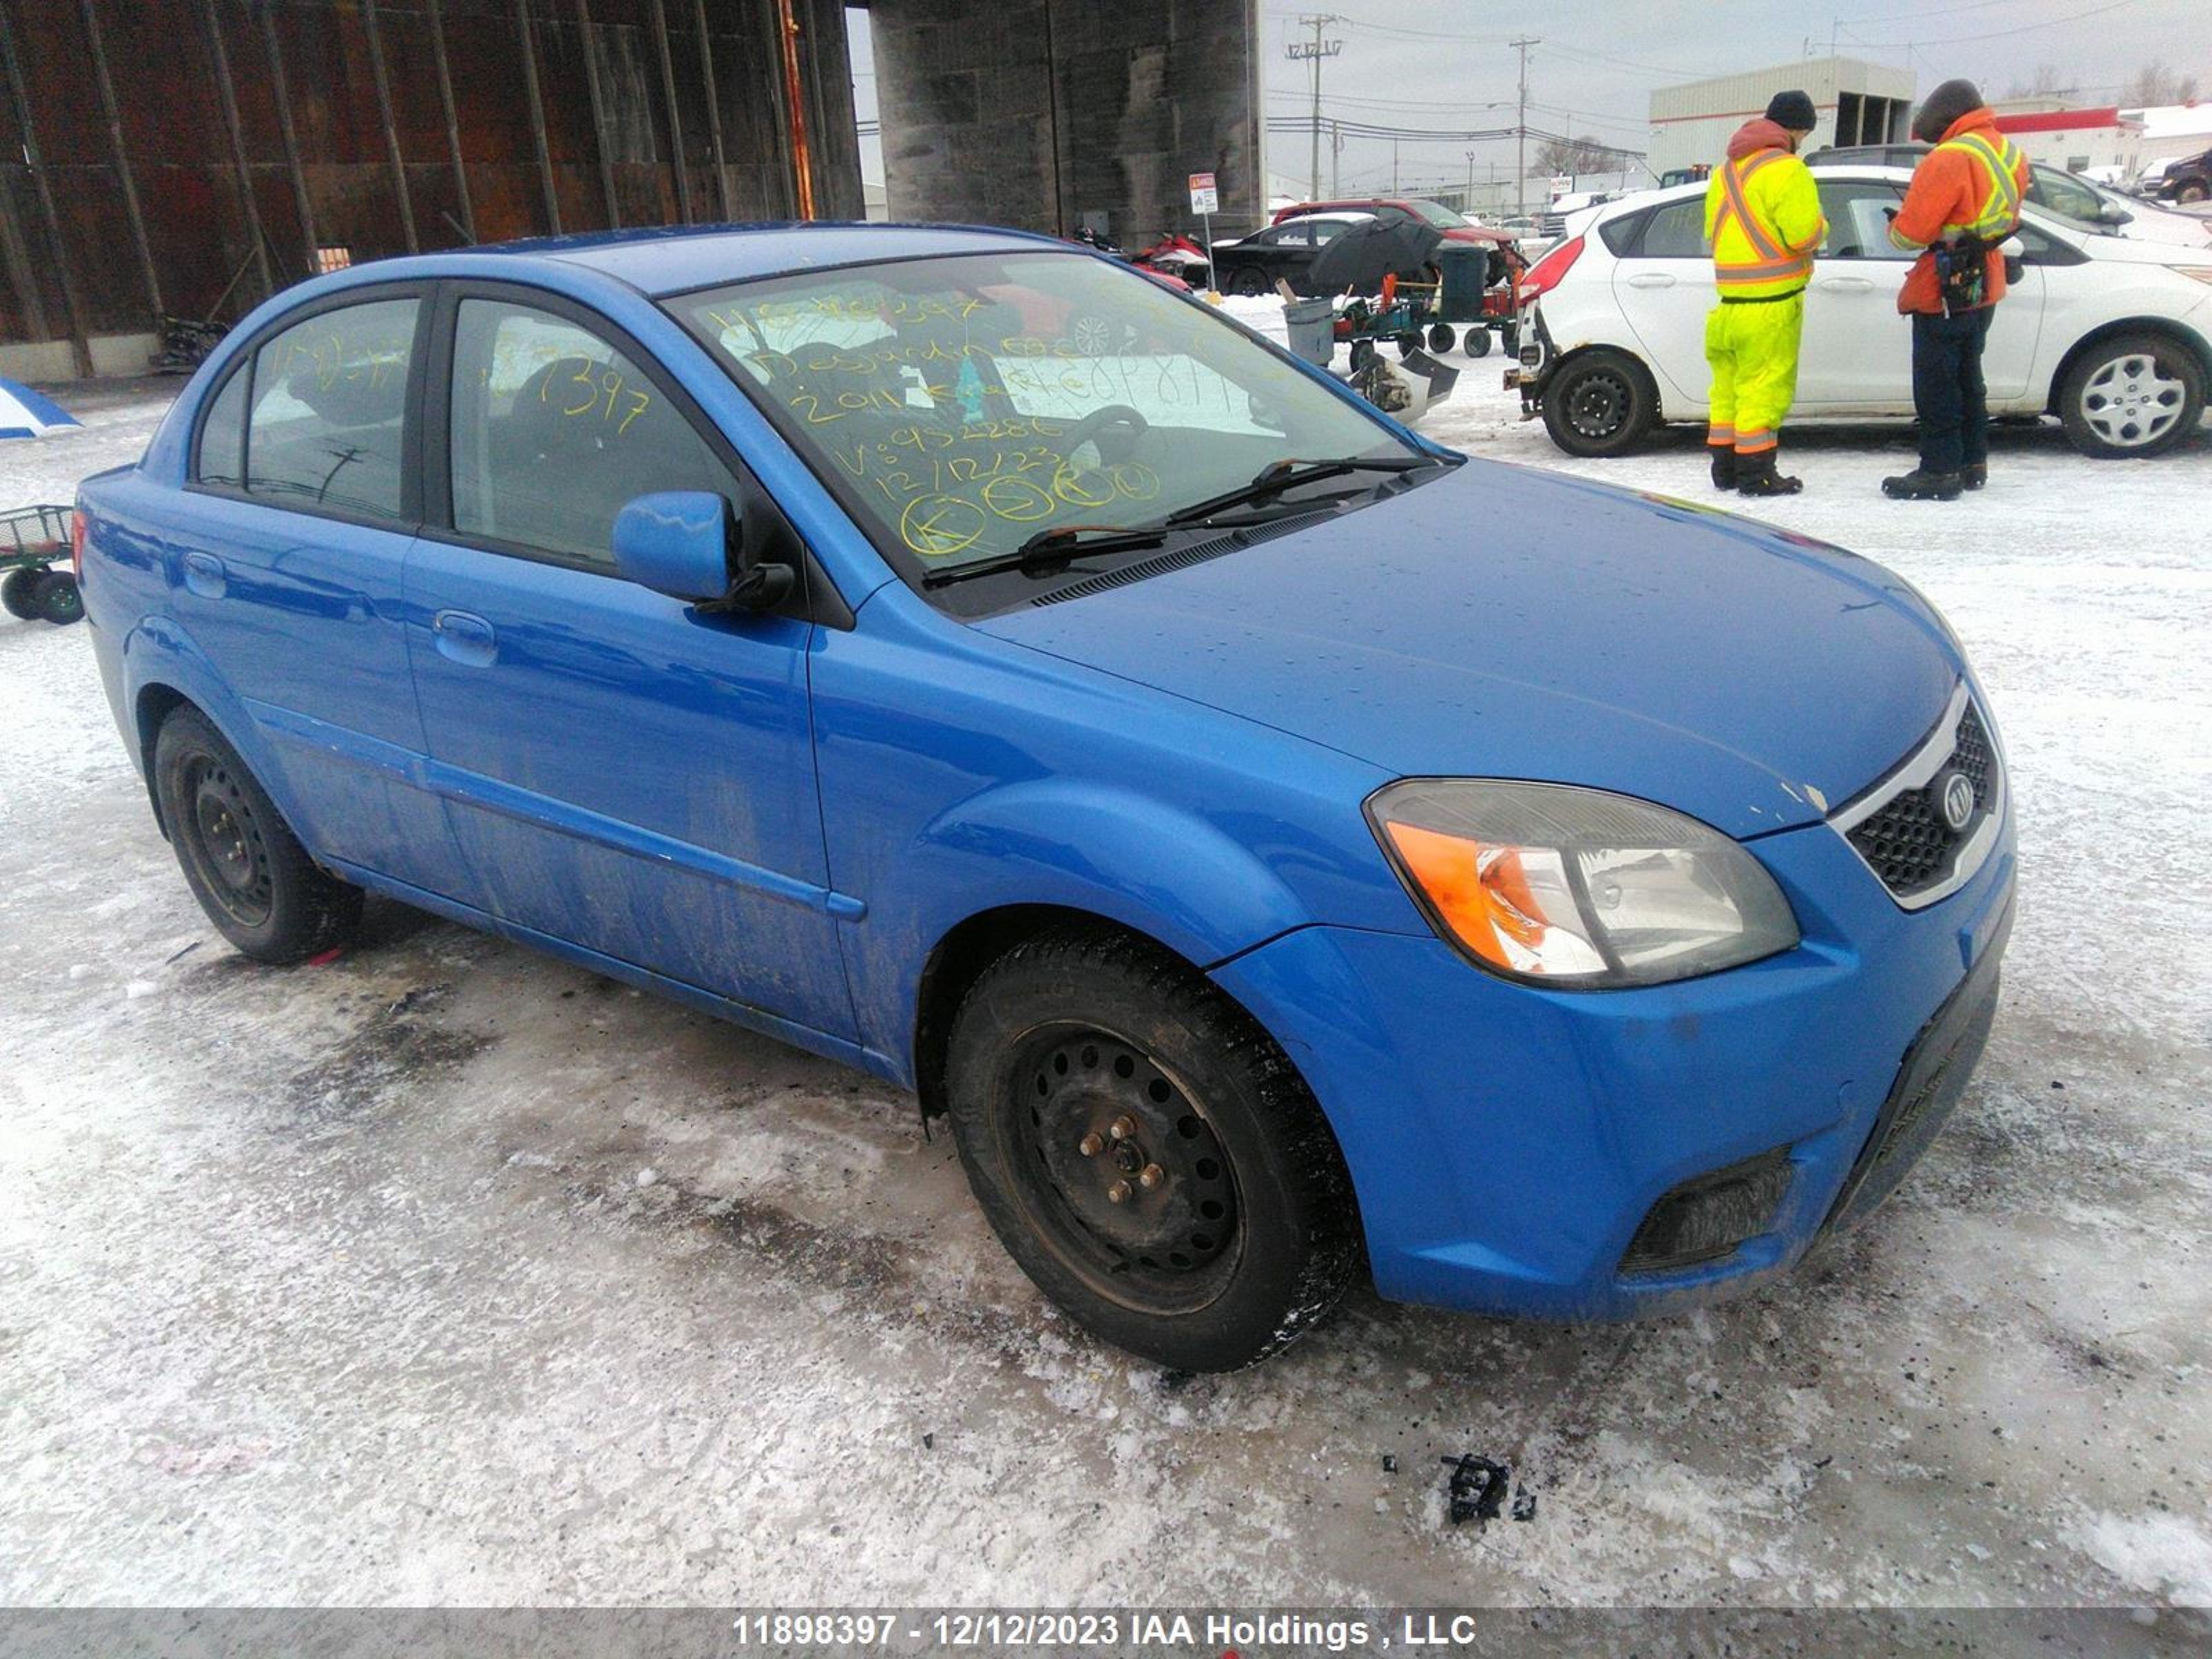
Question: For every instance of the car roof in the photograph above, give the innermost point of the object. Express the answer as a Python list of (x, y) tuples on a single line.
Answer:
[(674, 258)]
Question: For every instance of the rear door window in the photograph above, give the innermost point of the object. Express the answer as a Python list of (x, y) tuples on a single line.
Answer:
[(327, 426)]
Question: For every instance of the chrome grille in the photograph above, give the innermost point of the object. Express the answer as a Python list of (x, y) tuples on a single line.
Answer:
[(1898, 827)]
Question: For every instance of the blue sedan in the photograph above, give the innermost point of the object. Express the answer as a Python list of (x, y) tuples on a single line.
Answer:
[(952, 653)]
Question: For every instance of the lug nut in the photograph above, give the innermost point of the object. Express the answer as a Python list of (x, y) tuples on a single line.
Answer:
[(1124, 1126), (1119, 1192), (1152, 1177), (1091, 1146)]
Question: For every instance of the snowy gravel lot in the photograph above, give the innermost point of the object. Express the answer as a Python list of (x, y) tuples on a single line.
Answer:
[(447, 1273)]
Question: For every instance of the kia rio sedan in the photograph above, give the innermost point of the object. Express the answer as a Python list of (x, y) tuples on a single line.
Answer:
[(1153, 758)]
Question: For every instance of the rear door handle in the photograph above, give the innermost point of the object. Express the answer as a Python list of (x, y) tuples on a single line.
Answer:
[(466, 638), (1846, 284), (1651, 279), (205, 575)]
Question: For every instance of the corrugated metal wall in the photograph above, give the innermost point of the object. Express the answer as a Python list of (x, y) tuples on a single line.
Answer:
[(189, 157)]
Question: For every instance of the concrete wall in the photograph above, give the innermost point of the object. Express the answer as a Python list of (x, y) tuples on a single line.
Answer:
[(1047, 115)]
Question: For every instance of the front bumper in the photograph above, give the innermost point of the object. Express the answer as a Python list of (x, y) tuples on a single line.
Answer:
[(1507, 1143)]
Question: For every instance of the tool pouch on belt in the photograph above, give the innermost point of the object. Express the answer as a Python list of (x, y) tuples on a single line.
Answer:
[(1962, 273)]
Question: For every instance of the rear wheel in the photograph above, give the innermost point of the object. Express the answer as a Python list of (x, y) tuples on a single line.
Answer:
[(1600, 403), (2132, 395), (1477, 342), (16, 593), (1146, 1153), (55, 598), (243, 863)]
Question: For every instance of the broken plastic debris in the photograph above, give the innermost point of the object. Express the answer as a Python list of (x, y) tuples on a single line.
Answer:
[(1476, 1487)]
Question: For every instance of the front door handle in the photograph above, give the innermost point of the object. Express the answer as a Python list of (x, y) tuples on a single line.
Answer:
[(466, 638), (1846, 284), (1651, 279), (206, 575)]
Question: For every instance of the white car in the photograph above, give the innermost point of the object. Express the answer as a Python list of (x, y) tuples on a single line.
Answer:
[(2112, 336)]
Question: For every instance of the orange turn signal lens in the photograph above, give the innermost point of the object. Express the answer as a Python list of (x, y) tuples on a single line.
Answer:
[(1491, 902)]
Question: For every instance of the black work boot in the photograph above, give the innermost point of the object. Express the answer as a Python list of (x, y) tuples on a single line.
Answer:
[(1921, 486), (1974, 474), (1755, 476), (1723, 467)]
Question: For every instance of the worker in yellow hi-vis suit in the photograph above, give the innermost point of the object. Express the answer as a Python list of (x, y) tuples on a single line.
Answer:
[(1764, 224)]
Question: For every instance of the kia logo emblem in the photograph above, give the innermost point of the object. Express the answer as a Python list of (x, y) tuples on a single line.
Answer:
[(1954, 798)]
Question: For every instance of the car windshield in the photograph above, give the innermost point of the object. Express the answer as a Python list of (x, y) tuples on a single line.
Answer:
[(960, 406), (1437, 213)]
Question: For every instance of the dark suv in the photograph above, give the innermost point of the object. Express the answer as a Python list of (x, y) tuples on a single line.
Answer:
[(2189, 179)]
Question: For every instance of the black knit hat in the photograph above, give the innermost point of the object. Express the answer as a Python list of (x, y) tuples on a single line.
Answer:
[(1945, 105), (1792, 111)]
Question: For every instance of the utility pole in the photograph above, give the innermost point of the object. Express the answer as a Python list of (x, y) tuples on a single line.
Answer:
[(1314, 51), (1521, 129), (1467, 205)]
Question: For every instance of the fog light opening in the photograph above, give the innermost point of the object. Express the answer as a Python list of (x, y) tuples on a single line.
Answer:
[(1705, 1219)]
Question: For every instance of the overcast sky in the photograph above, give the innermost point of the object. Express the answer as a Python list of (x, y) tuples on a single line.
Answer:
[(1448, 64)]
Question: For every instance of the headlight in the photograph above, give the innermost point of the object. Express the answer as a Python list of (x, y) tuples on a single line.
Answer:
[(1575, 887)]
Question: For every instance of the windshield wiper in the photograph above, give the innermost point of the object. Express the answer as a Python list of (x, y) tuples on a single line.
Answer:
[(1053, 547), (1276, 476)]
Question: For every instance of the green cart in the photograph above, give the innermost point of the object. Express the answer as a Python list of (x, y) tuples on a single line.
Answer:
[(38, 584)]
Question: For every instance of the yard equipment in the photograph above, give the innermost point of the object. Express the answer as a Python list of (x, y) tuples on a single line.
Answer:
[(1423, 285), (32, 540)]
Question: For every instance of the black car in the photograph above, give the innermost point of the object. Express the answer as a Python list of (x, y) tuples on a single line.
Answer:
[(1286, 250), (2189, 179)]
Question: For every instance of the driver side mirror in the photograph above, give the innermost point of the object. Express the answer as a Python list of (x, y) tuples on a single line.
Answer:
[(682, 542)]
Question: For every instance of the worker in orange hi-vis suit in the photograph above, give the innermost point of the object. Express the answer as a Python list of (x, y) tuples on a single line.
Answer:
[(1764, 223), (1963, 204)]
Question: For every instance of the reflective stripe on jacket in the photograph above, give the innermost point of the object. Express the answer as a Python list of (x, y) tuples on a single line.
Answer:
[(1970, 182), (1764, 224)]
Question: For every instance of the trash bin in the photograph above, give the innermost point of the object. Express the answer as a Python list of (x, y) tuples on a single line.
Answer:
[(1310, 326)]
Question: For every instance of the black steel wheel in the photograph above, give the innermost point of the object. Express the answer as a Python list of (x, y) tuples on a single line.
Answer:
[(1146, 1153), (1250, 281), (16, 593), (240, 859), (1601, 403), (55, 598)]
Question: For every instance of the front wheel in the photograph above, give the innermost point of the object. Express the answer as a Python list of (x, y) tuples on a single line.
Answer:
[(1146, 1153), (1477, 342), (1249, 281), (240, 859), (2133, 395), (1600, 403)]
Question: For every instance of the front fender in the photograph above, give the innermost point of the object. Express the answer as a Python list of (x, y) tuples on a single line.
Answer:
[(1067, 843)]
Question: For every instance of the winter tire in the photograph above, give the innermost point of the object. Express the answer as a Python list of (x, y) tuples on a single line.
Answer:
[(1250, 281), (1600, 403), (1146, 1153), (2132, 395), (243, 863), (16, 593), (54, 598)]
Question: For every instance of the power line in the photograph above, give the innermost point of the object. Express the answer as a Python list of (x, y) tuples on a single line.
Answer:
[(1991, 34)]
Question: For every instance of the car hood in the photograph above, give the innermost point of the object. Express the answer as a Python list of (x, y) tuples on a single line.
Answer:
[(1501, 622)]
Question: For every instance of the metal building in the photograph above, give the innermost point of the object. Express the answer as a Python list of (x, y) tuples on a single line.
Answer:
[(188, 157), (1857, 102)]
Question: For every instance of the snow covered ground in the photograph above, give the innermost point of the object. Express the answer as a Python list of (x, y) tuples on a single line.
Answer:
[(444, 1273)]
